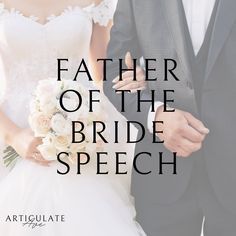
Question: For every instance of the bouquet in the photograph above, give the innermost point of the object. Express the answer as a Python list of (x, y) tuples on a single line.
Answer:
[(54, 125)]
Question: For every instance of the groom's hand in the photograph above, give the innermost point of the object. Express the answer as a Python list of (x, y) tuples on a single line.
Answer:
[(182, 132), (128, 82)]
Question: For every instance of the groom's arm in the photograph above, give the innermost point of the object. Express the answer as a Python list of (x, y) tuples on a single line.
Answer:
[(184, 133), (124, 39)]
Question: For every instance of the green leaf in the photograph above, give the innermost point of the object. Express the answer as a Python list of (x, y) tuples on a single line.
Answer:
[(10, 157)]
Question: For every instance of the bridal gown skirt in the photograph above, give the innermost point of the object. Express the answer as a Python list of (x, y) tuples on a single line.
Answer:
[(92, 205)]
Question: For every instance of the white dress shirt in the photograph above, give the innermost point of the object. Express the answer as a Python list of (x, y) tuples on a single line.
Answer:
[(198, 14)]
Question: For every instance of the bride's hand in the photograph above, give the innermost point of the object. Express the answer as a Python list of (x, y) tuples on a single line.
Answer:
[(25, 144), (128, 82)]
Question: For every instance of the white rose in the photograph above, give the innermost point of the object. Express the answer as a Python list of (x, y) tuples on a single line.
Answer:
[(76, 147), (73, 158), (83, 91), (44, 88), (48, 152), (80, 115), (34, 106), (62, 143), (40, 124), (83, 112), (73, 116), (49, 139), (71, 84), (69, 104), (48, 104), (58, 88), (60, 125)]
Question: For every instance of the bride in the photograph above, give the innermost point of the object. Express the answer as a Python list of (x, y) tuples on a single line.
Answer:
[(34, 199)]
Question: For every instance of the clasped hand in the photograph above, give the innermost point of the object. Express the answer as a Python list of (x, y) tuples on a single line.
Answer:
[(182, 132), (25, 144)]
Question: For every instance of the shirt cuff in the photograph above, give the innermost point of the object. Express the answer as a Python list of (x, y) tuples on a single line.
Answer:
[(152, 115)]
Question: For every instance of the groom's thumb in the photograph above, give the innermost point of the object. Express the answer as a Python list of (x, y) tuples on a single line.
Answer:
[(129, 60)]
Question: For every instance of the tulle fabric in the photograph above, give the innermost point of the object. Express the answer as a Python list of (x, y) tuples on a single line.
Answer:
[(92, 205)]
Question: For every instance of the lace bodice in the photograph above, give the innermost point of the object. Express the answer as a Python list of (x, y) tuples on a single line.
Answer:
[(29, 50)]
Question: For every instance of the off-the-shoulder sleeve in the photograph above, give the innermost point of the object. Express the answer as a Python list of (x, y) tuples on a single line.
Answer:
[(103, 12)]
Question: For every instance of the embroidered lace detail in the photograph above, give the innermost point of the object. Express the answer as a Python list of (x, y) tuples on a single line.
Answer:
[(69, 9), (103, 12), (34, 18)]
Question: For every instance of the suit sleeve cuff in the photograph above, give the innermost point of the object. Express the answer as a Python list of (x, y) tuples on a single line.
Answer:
[(152, 115)]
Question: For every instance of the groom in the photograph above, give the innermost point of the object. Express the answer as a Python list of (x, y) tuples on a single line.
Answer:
[(200, 35)]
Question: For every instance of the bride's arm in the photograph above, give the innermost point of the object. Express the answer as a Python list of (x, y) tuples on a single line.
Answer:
[(22, 140), (98, 48), (7, 129)]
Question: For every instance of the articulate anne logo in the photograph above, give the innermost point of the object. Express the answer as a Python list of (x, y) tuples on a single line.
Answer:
[(35, 221)]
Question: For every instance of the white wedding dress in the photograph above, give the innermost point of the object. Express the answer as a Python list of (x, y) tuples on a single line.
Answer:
[(92, 205)]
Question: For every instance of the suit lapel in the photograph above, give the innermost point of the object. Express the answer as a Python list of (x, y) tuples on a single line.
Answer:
[(225, 19), (176, 20)]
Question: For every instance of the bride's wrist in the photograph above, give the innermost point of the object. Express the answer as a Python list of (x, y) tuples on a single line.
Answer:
[(11, 135)]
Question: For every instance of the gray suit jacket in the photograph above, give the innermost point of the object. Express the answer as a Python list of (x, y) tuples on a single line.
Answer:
[(155, 29)]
